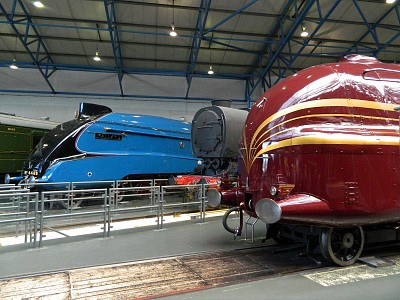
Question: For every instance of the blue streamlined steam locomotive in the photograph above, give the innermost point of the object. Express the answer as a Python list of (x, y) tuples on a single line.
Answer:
[(101, 145)]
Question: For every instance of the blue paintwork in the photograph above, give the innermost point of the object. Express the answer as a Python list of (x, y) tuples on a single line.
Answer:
[(110, 168), (143, 145)]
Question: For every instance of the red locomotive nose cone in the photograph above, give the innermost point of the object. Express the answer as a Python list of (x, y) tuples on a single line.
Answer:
[(268, 211)]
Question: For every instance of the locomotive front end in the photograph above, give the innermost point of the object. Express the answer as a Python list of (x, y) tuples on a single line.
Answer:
[(314, 151), (58, 145)]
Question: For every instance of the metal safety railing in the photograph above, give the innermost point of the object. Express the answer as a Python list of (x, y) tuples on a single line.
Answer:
[(34, 215), (20, 207), (198, 194)]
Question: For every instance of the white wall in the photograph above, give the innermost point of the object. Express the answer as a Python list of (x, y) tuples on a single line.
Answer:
[(146, 94), (61, 108)]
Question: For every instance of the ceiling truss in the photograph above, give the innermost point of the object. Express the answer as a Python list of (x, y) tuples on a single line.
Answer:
[(274, 54)]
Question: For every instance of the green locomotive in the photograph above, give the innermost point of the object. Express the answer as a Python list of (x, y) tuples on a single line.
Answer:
[(18, 136)]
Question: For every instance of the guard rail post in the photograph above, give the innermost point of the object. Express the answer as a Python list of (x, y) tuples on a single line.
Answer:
[(203, 203), (35, 225), (160, 218), (41, 220)]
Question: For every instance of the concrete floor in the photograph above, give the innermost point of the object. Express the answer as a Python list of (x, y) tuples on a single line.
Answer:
[(298, 287), (360, 282), (125, 246)]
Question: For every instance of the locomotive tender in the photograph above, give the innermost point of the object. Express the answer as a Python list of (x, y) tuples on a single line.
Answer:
[(319, 157), (19, 135), (99, 145)]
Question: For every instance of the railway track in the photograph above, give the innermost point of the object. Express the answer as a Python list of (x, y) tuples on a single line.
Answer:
[(187, 273), (159, 277)]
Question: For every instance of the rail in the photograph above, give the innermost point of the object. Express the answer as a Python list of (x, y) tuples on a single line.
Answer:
[(37, 214)]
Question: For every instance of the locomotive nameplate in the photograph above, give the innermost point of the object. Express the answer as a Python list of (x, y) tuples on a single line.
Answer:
[(31, 172), (108, 136)]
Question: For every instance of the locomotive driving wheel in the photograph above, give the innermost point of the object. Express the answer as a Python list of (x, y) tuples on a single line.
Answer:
[(67, 202), (342, 246)]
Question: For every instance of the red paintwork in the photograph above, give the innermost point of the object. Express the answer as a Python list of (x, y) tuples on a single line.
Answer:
[(214, 182), (331, 133)]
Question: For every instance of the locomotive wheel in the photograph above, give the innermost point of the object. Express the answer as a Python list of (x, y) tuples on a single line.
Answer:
[(68, 204), (275, 232), (342, 246), (133, 194)]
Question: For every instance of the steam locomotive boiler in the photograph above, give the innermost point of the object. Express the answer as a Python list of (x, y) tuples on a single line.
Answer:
[(99, 145), (215, 136), (319, 157)]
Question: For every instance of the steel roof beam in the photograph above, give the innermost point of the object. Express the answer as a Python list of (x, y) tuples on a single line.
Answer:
[(158, 28), (134, 96), (300, 14), (27, 40), (115, 40), (371, 29), (289, 61), (290, 57), (127, 70), (228, 47), (239, 11), (389, 42), (278, 25), (196, 41), (200, 34), (187, 36)]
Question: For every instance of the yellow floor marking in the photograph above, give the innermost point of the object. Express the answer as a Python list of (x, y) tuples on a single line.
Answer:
[(355, 273)]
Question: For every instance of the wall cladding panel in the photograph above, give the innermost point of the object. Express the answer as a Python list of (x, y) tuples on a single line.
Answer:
[(22, 80), (153, 85), (62, 108), (145, 94), (85, 82), (217, 88)]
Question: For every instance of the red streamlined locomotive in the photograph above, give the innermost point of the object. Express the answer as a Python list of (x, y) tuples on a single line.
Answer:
[(319, 156)]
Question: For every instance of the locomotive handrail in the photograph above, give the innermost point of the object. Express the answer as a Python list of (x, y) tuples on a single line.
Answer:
[(154, 131), (68, 158)]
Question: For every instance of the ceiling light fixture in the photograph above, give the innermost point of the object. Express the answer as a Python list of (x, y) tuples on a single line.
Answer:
[(304, 32), (38, 4), (390, 1), (173, 33), (210, 71), (97, 57), (14, 65)]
